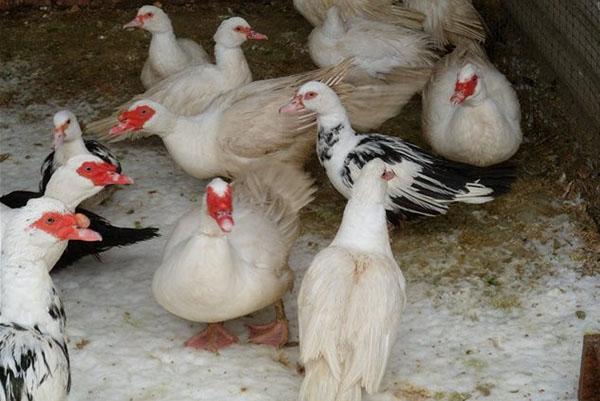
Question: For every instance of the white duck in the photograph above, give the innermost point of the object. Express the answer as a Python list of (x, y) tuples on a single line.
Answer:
[(167, 54), (385, 56), (80, 178), (68, 142), (351, 299), (244, 124), (380, 10), (471, 113), (34, 360), (190, 91), (425, 185), (449, 21), (377, 48), (227, 257)]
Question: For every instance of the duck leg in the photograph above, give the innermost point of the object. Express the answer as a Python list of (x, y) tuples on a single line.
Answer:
[(274, 334), (212, 339)]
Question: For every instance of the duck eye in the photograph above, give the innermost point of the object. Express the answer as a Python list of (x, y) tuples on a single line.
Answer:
[(310, 95), (143, 111), (50, 220), (238, 29), (150, 15), (68, 121), (88, 169)]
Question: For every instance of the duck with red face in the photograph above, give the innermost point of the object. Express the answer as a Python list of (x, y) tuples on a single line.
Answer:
[(34, 360), (227, 256), (80, 178), (471, 113)]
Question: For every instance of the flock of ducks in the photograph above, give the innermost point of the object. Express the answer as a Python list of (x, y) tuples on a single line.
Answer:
[(228, 256)]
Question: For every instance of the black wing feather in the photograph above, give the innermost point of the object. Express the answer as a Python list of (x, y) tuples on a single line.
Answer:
[(112, 236), (94, 147), (438, 183)]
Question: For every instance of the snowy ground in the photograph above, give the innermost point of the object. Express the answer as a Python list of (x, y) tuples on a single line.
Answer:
[(513, 332)]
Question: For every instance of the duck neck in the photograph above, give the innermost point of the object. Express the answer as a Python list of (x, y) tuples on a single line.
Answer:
[(28, 297), (62, 189), (232, 62), (364, 227), (333, 27), (69, 149), (164, 124), (333, 127), (165, 51)]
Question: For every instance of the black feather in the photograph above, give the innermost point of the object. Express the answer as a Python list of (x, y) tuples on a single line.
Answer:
[(94, 147), (112, 236), (439, 182)]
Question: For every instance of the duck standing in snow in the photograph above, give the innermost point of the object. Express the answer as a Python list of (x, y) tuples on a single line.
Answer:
[(68, 142), (34, 359), (228, 256), (424, 185), (471, 113), (190, 91), (167, 55), (351, 298), (80, 178)]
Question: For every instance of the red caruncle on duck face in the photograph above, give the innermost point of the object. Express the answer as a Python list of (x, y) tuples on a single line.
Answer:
[(133, 120), (219, 201), (464, 89), (297, 102), (66, 226), (102, 174)]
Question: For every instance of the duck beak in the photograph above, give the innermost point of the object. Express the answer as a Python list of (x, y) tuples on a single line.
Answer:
[(125, 125), (137, 22), (293, 106), (120, 179), (59, 135), (59, 139), (388, 175), (84, 234), (80, 231), (457, 98), (253, 35), (225, 221)]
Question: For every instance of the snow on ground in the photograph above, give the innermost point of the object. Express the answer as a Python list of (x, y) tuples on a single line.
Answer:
[(452, 346)]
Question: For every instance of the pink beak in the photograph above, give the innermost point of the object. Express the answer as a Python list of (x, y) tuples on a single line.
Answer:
[(457, 98), (121, 127), (59, 136), (120, 179), (137, 22), (388, 175), (82, 232), (85, 234), (253, 35), (225, 221), (293, 106)]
